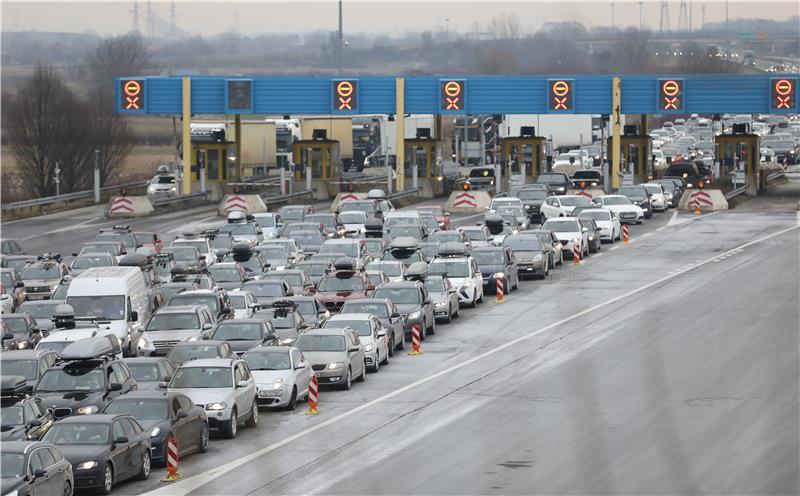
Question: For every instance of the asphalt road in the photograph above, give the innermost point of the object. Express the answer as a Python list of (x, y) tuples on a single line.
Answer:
[(666, 366)]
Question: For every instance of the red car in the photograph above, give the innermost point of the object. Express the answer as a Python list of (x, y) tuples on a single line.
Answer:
[(341, 284), (441, 216), (149, 240)]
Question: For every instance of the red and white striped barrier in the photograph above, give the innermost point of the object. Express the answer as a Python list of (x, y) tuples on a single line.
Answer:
[(172, 461), (313, 395), (415, 338), (129, 206), (499, 289), (576, 253), (709, 200), (343, 198), (468, 201), (248, 204), (625, 236)]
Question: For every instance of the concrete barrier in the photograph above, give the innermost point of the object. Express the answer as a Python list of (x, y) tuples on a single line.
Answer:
[(121, 207), (249, 204), (343, 198), (468, 202), (588, 193), (707, 200)]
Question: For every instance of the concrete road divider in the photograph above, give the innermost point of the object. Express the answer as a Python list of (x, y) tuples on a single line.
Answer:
[(343, 198), (705, 200), (468, 201), (249, 204), (588, 193), (121, 207)]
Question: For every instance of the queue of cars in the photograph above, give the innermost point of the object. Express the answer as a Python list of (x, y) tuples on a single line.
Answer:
[(155, 341)]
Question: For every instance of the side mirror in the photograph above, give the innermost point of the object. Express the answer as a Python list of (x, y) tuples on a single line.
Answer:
[(265, 267), (163, 384), (19, 284), (134, 316), (354, 349), (241, 384), (381, 333), (35, 330), (182, 414), (201, 258), (7, 336), (35, 423), (115, 386), (206, 337), (74, 254), (226, 310), (39, 472), (167, 378), (300, 365), (584, 229), (207, 326), (121, 440), (396, 315)]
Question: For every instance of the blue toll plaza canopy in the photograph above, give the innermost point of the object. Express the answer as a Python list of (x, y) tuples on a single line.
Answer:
[(473, 95)]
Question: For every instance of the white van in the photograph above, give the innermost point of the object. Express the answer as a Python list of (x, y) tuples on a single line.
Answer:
[(114, 294)]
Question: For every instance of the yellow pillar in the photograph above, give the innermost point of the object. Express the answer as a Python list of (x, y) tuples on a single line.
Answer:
[(616, 103), (187, 136), (400, 124), (645, 153), (238, 125)]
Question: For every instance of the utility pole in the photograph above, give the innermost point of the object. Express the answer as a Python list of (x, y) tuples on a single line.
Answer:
[(172, 22), (682, 17), (726, 17), (641, 16), (341, 38), (663, 20), (612, 17), (135, 16), (97, 176)]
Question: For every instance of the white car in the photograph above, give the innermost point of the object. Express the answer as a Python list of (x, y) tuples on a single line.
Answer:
[(570, 231), (281, 374), (58, 339), (6, 303), (462, 270), (606, 220), (562, 206), (396, 271), (626, 211), (504, 202), (370, 333), (353, 222), (658, 197), (243, 302)]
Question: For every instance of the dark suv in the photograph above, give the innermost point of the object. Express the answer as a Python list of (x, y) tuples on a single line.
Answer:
[(414, 303), (558, 181), (638, 196)]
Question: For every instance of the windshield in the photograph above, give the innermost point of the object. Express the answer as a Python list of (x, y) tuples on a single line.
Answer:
[(353, 217), (181, 354), (475, 234), (597, 215), (561, 225), (292, 214), (164, 180), (279, 319), (399, 296), (246, 229), (57, 346), (532, 194), (274, 252), (225, 274), (410, 231), (155, 409), (202, 377), (7, 279), (450, 269), (13, 465), (239, 301), (356, 207), (349, 248), (493, 257), (653, 190), (391, 269), (224, 242), (209, 300), (320, 343), (295, 280), (374, 245), (144, 372), (362, 327), (271, 360), (24, 368), (522, 243), (266, 288), (435, 285), (184, 253), (446, 237), (550, 178), (376, 309), (89, 433), (632, 192), (575, 201), (16, 325), (326, 220), (403, 220), (313, 269), (11, 415), (71, 379), (126, 239), (237, 331), (201, 245), (265, 220), (307, 308), (173, 321), (616, 200), (308, 238), (100, 307), (89, 261), (49, 271), (333, 283)]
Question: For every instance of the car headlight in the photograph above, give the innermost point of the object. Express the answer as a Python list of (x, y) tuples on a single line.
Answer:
[(155, 432), (280, 267), (273, 234), (561, 188), (151, 189), (215, 407), (413, 315), (278, 383), (22, 345), (53, 287), (538, 257), (86, 465), (368, 348), (498, 275), (286, 341), (86, 410), (335, 365), (173, 188), (142, 343), (193, 338), (442, 303)]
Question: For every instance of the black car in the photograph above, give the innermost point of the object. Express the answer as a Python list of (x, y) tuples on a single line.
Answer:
[(558, 181), (494, 261), (413, 302), (86, 379), (250, 259), (150, 371), (196, 350), (20, 331), (243, 334), (639, 197), (30, 364), (22, 416), (586, 179), (549, 241), (594, 234), (103, 449), (533, 199), (165, 415), (35, 467), (688, 172)]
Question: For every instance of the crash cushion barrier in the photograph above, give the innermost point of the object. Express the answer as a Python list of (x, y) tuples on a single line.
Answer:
[(588, 193), (249, 204), (120, 207), (343, 198), (707, 200), (468, 201)]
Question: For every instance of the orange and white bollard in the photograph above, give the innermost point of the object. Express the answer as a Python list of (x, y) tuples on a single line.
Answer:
[(625, 236), (313, 395), (415, 337), (576, 253), (172, 461), (499, 289)]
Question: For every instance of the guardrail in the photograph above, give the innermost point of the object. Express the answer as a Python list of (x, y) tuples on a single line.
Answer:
[(742, 189), (67, 196), (288, 196), (403, 194), (178, 199)]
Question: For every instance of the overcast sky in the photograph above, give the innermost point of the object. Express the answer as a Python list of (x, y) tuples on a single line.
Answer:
[(376, 16)]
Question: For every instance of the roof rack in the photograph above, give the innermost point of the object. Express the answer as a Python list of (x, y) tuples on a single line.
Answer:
[(209, 233), (13, 385), (97, 347), (49, 257)]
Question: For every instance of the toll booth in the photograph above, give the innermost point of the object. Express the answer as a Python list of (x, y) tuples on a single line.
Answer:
[(740, 153), (320, 155), (211, 153), (422, 152), (634, 154), (524, 156)]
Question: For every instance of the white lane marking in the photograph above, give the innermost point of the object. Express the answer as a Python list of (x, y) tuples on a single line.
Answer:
[(646, 234), (672, 219), (660, 228), (72, 227), (193, 483), (613, 248)]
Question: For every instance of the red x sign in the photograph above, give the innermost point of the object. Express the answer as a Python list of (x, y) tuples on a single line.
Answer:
[(452, 103), (670, 103), (784, 102), (133, 103), (344, 103), (560, 103)]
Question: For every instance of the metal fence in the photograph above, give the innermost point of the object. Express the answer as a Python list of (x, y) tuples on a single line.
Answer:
[(48, 200)]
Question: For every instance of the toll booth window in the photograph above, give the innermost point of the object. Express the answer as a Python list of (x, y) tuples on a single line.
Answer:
[(240, 95)]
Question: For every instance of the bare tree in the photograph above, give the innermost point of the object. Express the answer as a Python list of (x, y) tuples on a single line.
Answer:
[(50, 127), (633, 49)]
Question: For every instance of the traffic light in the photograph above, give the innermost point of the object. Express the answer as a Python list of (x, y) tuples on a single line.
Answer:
[(132, 95), (560, 95), (784, 94), (239, 96), (452, 95), (670, 95), (345, 95)]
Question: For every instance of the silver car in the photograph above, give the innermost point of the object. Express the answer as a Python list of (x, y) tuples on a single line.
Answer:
[(335, 355), (370, 332), (224, 386), (281, 375), (171, 325)]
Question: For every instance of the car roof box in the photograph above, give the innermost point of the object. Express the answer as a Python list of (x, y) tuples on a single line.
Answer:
[(344, 263), (92, 348), (376, 194), (494, 223), (447, 250), (417, 271), (404, 243), (12, 384), (134, 260), (242, 247)]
